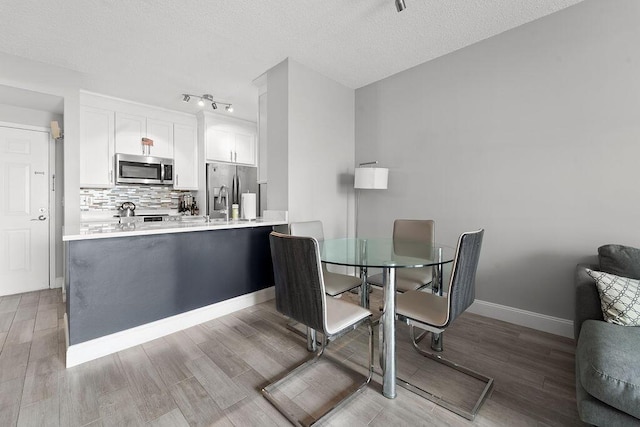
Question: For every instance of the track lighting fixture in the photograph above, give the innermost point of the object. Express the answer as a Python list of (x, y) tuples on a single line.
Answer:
[(186, 97), (400, 6)]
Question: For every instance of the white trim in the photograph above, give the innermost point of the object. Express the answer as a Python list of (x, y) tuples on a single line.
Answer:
[(52, 211), (25, 127), (99, 347), (541, 322), (59, 281)]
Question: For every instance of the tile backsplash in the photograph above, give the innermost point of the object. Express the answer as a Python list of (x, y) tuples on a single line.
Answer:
[(145, 197)]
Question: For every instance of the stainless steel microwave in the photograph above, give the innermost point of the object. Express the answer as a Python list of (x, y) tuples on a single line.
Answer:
[(131, 169)]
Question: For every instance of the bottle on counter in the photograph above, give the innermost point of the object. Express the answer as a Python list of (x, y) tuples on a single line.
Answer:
[(195, 209), (235, 211)]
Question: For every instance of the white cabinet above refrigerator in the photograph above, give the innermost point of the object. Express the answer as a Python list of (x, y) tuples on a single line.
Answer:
[(228, 139)]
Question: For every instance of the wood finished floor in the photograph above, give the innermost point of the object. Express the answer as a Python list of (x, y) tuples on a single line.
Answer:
[(212, 374)]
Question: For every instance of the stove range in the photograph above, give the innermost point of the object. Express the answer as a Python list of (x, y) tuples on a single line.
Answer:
[(149, 218)]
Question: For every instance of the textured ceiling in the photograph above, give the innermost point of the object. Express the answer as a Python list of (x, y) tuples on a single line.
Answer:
[(154, 50)]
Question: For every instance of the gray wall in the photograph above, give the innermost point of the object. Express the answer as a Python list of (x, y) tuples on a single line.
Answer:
[(321, 149), (310, 147), (533, 134), (278, 137)]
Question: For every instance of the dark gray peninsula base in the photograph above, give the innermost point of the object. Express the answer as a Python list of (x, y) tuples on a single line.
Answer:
[(115, 284)]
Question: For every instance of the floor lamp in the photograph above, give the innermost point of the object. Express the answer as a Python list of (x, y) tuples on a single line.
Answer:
[(369, 177)]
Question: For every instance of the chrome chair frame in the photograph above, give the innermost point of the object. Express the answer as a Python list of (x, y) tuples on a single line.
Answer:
[(463, 274), (268, 390)]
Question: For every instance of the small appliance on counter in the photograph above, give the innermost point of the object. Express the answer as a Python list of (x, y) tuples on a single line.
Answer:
[(127, 209)]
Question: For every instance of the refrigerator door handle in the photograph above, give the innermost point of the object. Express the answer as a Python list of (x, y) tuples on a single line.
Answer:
[(234, 188)]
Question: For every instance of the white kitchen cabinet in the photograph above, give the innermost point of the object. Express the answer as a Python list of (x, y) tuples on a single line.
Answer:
[(220, 144), (131, 128), (245, 148), (162, 134), (231, 142), (96, 147), (185, 161)]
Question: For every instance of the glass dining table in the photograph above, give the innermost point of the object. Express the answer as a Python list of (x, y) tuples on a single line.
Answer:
[(389, 255)]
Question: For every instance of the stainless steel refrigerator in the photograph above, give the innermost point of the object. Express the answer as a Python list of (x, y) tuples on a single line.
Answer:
[(229, 181)]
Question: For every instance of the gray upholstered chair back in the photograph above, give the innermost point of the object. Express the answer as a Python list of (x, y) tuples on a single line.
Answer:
[(298, 279), (307, 228), (462, 287), (409, 231)]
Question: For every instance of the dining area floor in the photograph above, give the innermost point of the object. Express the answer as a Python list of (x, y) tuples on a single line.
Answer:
[(212, 374)]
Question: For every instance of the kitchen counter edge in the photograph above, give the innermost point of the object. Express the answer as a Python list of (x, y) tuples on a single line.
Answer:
[(81, 232)]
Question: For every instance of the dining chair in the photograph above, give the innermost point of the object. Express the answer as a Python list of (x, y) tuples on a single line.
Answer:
[(435, 313), (411, 230), (301, 296), (335, 283)]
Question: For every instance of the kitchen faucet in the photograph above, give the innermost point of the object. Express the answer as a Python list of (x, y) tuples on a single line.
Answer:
[(223, 200)]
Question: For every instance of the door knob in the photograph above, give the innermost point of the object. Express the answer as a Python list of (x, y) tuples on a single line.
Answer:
[(40, 218)]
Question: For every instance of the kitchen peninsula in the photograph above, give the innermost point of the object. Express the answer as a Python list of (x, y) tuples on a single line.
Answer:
[(130, 283)]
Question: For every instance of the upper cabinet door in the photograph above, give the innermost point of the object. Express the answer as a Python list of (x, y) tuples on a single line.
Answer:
[(130, 129), (161, 133), (245, 148), (185, 162), (96, 147), (220, 145)]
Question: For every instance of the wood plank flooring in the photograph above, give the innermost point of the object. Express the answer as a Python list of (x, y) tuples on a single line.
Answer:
[(211, 374)]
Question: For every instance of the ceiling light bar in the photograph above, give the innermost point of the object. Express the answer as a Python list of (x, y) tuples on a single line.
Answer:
[(202, 99)]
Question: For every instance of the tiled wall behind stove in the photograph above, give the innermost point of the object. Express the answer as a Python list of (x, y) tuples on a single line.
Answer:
[(144, 196)]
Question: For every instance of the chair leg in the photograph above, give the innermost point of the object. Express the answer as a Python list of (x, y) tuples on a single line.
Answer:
[(419, 337), (268, 390), (436, 341), (310, 335), (438, 400)]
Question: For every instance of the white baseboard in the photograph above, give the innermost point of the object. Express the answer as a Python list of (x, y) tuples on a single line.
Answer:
[(96, 348), (541, 322)]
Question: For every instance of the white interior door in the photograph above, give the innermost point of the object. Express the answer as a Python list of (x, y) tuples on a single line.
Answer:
[(24, 210)]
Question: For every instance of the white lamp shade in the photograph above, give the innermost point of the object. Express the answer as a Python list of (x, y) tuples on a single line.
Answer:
[(371, 178)]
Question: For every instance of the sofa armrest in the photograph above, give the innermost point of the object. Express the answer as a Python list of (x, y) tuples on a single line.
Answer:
[(587, 298)]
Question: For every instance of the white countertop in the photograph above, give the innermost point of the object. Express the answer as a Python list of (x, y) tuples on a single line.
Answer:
[(98, 230)]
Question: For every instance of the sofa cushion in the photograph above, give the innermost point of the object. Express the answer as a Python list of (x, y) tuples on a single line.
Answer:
[(620, 260), (619, 298), (607, 358), (597, 413)]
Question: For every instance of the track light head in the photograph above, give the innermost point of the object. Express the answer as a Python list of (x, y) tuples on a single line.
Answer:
[(400, 6), (185, 97), (229, 108), (214, 106)]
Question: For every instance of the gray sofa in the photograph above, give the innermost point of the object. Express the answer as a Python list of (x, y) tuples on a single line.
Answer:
[(607, 355)]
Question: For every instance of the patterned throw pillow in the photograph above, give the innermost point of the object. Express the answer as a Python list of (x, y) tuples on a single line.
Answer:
[(619, 298)]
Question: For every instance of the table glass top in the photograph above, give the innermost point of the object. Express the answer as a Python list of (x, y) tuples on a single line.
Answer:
[(383, 252)]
